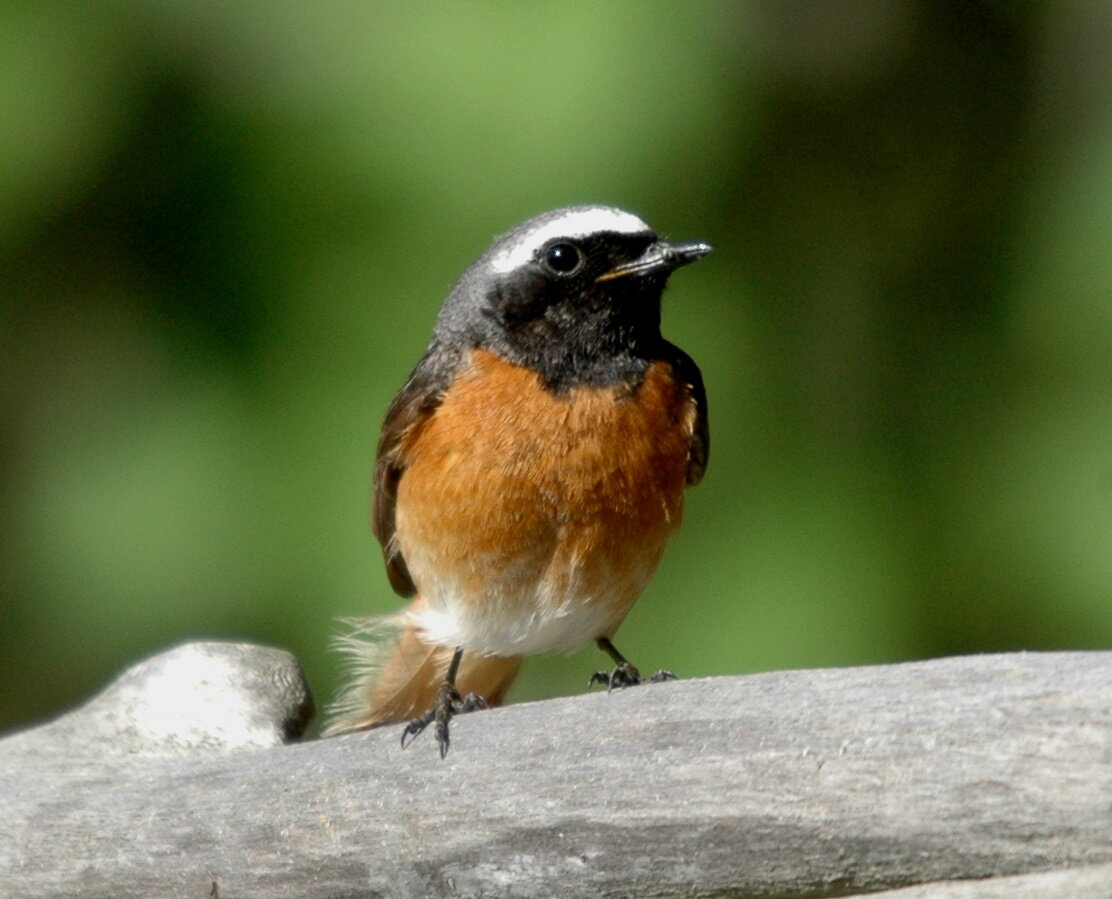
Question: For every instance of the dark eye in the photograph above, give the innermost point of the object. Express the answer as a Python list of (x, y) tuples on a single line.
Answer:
[(563, 258)]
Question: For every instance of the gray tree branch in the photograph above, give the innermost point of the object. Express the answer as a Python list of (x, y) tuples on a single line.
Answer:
[(962, 775)]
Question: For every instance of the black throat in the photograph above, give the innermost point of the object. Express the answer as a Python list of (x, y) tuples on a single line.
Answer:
[(580, 341)]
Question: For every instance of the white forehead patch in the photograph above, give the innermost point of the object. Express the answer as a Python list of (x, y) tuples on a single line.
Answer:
[(575, 224)]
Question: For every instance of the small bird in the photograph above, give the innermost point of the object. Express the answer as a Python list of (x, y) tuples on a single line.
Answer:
[(530, 471)]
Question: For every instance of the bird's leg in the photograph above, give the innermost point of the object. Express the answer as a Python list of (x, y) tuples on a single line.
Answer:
[(448, 703), (625, 674)]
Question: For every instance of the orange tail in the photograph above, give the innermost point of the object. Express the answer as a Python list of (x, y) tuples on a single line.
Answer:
[(396, 675)]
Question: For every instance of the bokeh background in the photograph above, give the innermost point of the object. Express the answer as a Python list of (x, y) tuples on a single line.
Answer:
[(225, 229)]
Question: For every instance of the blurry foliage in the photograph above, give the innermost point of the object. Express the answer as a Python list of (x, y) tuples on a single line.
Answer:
[(225, 230)]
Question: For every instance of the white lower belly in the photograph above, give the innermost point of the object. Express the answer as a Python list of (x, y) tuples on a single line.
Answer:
[(544, 624)]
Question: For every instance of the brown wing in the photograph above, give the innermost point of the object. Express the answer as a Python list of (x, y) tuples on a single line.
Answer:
[(689, 373), (417, 400)]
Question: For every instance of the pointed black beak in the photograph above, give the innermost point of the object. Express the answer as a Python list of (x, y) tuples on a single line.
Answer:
[(661, 256)]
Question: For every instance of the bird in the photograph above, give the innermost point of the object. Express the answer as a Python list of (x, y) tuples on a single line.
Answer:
[(529, 472)]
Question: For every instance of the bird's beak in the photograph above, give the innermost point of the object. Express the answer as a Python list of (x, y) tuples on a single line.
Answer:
[(659, 257)]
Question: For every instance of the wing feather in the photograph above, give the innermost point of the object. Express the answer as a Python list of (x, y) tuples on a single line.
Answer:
[(689, 373), (413, 405)]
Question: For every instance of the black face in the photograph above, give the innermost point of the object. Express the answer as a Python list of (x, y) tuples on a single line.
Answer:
[(573, 294), (562, 278), (554, 315)]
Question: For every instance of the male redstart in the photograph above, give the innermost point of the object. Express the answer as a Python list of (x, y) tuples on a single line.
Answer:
[(531, 470)]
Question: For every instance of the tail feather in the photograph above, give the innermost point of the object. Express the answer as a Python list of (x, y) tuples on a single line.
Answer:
[(395, 675)]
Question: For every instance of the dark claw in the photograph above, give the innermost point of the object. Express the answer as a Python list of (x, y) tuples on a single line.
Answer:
[(443, 716), (417, 725), (627, 675), (473, 702), (448, 704)]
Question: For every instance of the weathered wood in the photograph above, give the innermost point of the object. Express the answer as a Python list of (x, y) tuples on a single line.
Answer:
[(198, 698), (1089, 882), (803, 783)]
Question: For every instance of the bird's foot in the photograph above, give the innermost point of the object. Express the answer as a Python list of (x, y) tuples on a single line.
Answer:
[(627, 675), (448, 704)]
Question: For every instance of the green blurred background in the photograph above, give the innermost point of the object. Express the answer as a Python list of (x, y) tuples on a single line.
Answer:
[(225, 229)]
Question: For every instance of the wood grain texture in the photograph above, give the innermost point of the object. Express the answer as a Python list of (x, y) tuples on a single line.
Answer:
[(803, 783), (1088, 882)]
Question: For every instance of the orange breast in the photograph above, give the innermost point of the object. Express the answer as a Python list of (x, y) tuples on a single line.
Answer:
[(531, 521)]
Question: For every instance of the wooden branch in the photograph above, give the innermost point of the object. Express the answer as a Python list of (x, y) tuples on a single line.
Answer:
[(1090, 882), (802, 783)]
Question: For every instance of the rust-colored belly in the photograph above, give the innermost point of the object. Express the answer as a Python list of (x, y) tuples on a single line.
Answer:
[(532, 521)]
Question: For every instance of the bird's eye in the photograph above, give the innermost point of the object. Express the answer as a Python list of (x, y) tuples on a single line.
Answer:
[(563, 258)]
